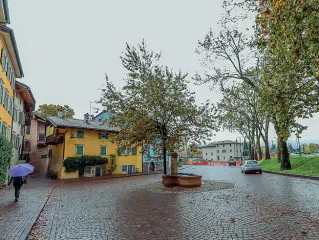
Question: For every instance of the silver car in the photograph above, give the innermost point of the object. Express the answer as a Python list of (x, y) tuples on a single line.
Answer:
[(251, 166)]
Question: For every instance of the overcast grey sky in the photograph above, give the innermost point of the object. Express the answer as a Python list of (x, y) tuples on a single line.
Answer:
[(67, 46)]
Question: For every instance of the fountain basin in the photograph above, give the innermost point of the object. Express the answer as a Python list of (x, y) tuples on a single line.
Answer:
[(182, 180)]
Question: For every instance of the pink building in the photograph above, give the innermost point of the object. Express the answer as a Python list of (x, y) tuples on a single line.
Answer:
[(35, 147)]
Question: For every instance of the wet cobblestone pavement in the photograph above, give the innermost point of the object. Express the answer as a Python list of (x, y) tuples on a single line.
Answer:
[(259, 206), (17, 219), (230, 205)]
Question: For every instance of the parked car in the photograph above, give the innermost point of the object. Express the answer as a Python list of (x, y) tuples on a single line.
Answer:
[(232, 162), (251, 166)]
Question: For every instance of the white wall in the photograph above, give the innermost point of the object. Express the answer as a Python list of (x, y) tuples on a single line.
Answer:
[(222, 152), (17, 129)]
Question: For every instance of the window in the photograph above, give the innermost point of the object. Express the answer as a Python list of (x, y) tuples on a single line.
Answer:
[(230, 145), (217, 151), (230, 150), (103, 150), (27, 130), (87, 171), (211, 154), (224, 157), (80, 134), (223, 151), (218, 158), (231, 156), (206, 154), (126, 151), (223, 145), (8, 131), (124, 168), (79, 150), (1, 90), (5, 99), (22, 118), (103, 135)]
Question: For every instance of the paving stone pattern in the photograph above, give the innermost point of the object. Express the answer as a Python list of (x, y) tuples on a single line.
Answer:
[(259, 206), (17, 219)]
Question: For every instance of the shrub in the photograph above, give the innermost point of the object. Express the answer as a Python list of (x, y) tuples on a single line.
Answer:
[(5, 157), (113, 162), (72, 164)]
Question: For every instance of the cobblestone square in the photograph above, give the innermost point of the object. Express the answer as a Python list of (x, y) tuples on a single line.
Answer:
[(235, 206)]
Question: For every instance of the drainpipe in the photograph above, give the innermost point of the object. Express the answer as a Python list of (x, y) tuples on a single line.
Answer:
[(63, 151)]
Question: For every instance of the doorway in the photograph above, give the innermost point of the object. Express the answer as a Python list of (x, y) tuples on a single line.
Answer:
[(152, 166)]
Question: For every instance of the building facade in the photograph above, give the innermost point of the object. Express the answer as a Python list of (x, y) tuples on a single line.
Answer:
[(23, 105), (222, 151), (154, 162), (36, 148), (10, 70), (75, 137), (151, 161)]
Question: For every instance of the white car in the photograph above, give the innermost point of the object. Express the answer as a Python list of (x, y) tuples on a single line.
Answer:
[(251, 166)]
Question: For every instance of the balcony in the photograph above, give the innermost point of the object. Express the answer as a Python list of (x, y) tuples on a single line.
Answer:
[(41, 139), (54, 139)]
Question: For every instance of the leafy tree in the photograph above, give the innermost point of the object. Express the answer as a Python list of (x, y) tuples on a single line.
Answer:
[(155, 107), (291, 149), (5, 157), (313, 147), (48, 110)]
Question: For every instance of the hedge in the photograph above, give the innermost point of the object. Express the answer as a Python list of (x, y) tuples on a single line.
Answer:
[(72, 164)]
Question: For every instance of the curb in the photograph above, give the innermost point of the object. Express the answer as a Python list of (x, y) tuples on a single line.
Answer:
[(293, 175)]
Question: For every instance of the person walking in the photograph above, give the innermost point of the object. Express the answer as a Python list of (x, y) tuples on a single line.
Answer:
[(17, 184)]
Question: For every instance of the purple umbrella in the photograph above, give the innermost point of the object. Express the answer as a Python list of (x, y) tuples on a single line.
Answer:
[(20, 170)]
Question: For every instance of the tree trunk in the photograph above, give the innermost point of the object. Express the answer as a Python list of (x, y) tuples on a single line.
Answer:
[(279, 147), (285, 161), (164, 159), (174, 166), (267, 151), (259, 151)]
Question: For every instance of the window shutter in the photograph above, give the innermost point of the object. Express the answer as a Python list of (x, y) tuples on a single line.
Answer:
[(0, 128), (3, 60), (13, 139), (1, 91), (23, 119), (119, 152), (8, 133)]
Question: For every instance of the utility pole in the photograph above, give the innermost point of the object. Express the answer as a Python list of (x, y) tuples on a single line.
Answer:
[(95, 110)]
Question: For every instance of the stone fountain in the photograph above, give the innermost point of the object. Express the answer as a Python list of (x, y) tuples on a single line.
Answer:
[(181, 180)]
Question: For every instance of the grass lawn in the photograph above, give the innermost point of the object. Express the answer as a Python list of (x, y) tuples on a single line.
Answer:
[(304, 165)]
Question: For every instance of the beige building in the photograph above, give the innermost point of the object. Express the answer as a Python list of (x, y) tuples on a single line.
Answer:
[(222, 151), (35, 147)]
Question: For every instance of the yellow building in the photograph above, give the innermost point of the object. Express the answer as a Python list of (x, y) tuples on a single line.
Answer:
[(10, 70), (75, 137)]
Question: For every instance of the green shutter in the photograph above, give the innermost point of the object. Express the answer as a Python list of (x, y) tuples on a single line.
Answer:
[(0, 128), (119, 152), (1, 91), (79, 150), (3, 59), (8, 133), (103, 150)]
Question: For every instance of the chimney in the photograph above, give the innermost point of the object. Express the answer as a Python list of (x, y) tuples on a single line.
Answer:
[(60, 112), (86, 118)]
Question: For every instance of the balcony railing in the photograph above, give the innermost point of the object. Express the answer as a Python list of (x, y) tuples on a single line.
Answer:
[(54, 139)]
